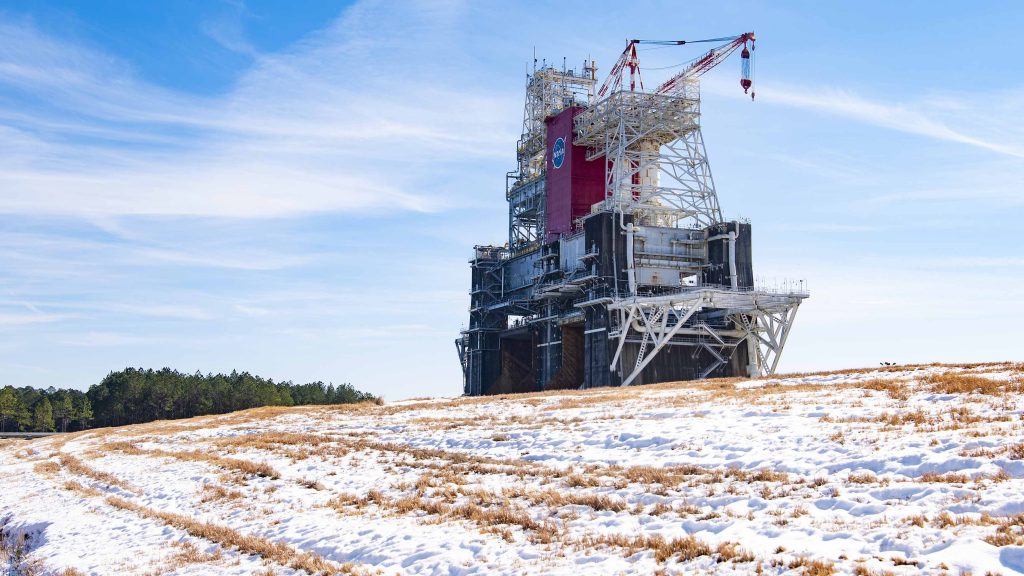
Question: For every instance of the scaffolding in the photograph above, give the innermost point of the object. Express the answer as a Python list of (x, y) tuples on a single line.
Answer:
[(656, 165), (548, 91), (649, 283)]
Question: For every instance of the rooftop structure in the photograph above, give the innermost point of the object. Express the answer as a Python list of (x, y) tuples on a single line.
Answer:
[(619, 268)]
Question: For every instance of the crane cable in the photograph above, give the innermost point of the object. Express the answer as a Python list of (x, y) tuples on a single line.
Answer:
[(669, 43), (682, 42)]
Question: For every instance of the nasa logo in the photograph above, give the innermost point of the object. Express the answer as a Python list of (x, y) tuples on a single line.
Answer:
[(558, 153)]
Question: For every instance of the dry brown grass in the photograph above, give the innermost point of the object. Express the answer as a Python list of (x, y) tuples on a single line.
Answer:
[(295, 446), (731, 551), (189, 553), (447, 473), (246, 467), (581, 481), (918, 417), (960, 383), (261, 415), (682, 549), (47, 468), (277, 552), (1016, 452), (1001, 476), (75, 486), (555, 498), (649, 475), (502, 532), (216, 492), (861, 570), (918, 520), (457, 465), (813, 567), (343, 500), (896, 389), (505, 513), (660, 508), (185, 554), (310, 483), (947, 478), (1009, 532), (716, 386), (944, 520), (762, 475), (76, 466)]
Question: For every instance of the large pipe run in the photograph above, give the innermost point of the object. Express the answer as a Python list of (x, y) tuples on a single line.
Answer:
[(732, 261), (630, 270), (734, 279)]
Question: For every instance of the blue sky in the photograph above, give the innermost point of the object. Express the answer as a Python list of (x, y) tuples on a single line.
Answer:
[(294, 191)]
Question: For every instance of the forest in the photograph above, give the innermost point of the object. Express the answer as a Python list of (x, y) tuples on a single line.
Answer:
[(135, 396)]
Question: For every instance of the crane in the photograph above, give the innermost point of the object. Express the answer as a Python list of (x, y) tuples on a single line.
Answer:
[(694, 69)]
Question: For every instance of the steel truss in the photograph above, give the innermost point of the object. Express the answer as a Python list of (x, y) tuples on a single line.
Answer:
[(761, 319), (657, 167), (526, 205), (548, 91)]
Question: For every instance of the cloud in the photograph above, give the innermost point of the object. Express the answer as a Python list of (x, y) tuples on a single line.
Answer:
[(976, 191), (94, 339), (917, 118), (234, 261), (171, 311), (341, 122), (60, 255), (9, 319), (228, 31), (959, 263)]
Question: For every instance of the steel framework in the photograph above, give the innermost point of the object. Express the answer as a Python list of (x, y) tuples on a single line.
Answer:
[(548, 90), (762, 319), (645, 140), (652, 283)]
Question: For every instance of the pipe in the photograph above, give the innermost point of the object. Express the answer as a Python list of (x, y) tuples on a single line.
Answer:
[(630, 270), (732, 261)]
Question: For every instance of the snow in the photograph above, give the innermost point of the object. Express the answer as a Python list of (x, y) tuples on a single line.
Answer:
[(811, 465)]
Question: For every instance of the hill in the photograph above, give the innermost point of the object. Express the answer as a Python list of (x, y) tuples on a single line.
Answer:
[(894, 470)]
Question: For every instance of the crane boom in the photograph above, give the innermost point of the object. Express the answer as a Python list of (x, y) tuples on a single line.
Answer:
[(628, 59), (712, 58)]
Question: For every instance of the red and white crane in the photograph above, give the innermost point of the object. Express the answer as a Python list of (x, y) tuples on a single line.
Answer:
[(694, 69)]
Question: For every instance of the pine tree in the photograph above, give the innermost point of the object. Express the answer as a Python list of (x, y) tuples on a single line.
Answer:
[(42, 417), (22, 415), (8, 407), (67, 412), (84, 413)]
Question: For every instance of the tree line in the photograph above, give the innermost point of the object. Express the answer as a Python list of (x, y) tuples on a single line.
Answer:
[(135, 396)]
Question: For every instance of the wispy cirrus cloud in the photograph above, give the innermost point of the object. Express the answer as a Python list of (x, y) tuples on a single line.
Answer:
[(16, 319), (103, 339), (321, 127), (923, 118)]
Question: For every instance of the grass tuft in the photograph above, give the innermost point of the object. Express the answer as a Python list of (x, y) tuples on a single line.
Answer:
[(278, 552)]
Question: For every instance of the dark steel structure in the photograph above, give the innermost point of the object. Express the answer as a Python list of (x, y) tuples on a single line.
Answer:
[(619, 267)]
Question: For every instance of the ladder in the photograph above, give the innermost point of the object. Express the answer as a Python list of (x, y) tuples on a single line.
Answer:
[(647, 335)]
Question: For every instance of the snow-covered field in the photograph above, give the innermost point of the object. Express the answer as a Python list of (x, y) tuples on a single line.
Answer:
[(899, 470)]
